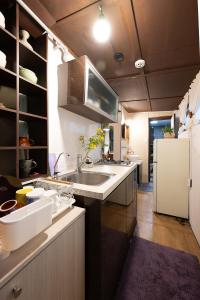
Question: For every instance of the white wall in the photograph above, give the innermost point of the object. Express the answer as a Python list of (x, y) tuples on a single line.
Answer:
[(139, 135), (192, 131), (64, 127)]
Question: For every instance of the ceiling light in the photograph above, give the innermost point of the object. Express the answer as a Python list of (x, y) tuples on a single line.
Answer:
[(101, 29), (154, 122), (140, 63), (119, 56)]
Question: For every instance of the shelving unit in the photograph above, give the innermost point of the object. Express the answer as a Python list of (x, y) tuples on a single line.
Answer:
[(25, 103)]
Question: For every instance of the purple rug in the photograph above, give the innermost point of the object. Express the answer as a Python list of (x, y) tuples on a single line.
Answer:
[(155, 272)]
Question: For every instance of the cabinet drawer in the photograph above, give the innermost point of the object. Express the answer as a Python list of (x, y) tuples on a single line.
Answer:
[(57, 273)]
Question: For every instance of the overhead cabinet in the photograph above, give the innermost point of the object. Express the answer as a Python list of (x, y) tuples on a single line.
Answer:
[(84, 91)]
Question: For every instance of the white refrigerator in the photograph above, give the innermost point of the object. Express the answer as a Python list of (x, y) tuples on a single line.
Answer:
[(171, 177)]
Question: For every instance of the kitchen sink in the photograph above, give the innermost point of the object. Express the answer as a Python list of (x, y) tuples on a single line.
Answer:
[(88, 178)]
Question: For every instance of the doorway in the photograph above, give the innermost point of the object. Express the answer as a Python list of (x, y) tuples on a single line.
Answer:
[(156, 126)]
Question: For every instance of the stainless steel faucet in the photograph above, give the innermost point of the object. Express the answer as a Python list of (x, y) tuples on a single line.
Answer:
[(56, 162), (79, 162)]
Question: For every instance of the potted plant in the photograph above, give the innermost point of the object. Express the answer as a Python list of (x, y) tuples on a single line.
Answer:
[(168, 132)]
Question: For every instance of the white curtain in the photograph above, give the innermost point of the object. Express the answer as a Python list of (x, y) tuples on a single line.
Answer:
[(194, 94), (197, 100), (183, 108)]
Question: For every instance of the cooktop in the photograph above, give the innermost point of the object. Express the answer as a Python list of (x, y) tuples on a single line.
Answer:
[(125, 163)]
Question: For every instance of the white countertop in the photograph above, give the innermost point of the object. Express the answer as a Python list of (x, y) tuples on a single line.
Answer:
[(139, 162), (102, 191)]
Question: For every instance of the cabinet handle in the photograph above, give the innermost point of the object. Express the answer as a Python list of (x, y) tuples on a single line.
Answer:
[(16, 292)]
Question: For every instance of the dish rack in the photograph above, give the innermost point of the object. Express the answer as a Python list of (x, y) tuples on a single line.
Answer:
[(23, 224)]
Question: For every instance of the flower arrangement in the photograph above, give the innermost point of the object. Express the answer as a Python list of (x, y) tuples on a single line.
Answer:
[(91, 143)]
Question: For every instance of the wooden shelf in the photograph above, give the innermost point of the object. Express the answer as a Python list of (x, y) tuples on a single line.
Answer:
[(28, 116), (6, 32), (8, 110), (8, 46), (8, 162), (33, 84), (32, 147), (34, 117), (7, 128), (8, 71), (40, 156), (31, 53), (7, 148), (28, 59), (7, 78), (33, 176)]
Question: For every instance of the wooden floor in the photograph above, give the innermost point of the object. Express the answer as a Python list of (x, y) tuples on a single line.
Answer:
[(164, 230)]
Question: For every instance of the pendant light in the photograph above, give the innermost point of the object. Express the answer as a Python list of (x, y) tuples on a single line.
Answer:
[(101, 29)]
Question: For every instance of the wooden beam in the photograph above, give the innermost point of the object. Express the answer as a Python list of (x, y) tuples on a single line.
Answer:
[(140, 51), (62, 20), (156, 72), (160, 98)]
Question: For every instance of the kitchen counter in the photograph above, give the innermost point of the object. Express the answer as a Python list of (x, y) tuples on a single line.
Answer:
[(102, 191), (139, 162), (103, 204), (21, 257)]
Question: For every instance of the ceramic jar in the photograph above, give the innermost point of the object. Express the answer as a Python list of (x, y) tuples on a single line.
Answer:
[(24, 36), (2, 59), (26, 166), (24, 141), (2, 20)]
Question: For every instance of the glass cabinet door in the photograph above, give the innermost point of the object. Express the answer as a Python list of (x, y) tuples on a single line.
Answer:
[(99, 95)]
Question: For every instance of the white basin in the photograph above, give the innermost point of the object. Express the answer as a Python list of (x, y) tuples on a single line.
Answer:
[(133, 157), (20, 226)]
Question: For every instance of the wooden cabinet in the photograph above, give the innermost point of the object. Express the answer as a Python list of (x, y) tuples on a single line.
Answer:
[(57, 273), (24, 103), (109, 226), (84, 91), (126, 192), (119, 195)]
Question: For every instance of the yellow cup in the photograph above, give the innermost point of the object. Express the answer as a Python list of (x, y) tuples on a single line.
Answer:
[(21, 196)]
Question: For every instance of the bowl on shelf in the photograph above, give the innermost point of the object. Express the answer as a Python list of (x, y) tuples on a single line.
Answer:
[(133, 157), (2, 59), (2, 20), (28, 74)]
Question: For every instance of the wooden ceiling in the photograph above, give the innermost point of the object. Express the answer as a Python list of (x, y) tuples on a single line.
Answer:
[(163, 32)]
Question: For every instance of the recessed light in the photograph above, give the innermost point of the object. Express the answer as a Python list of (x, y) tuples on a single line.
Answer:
[(119, 56)]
